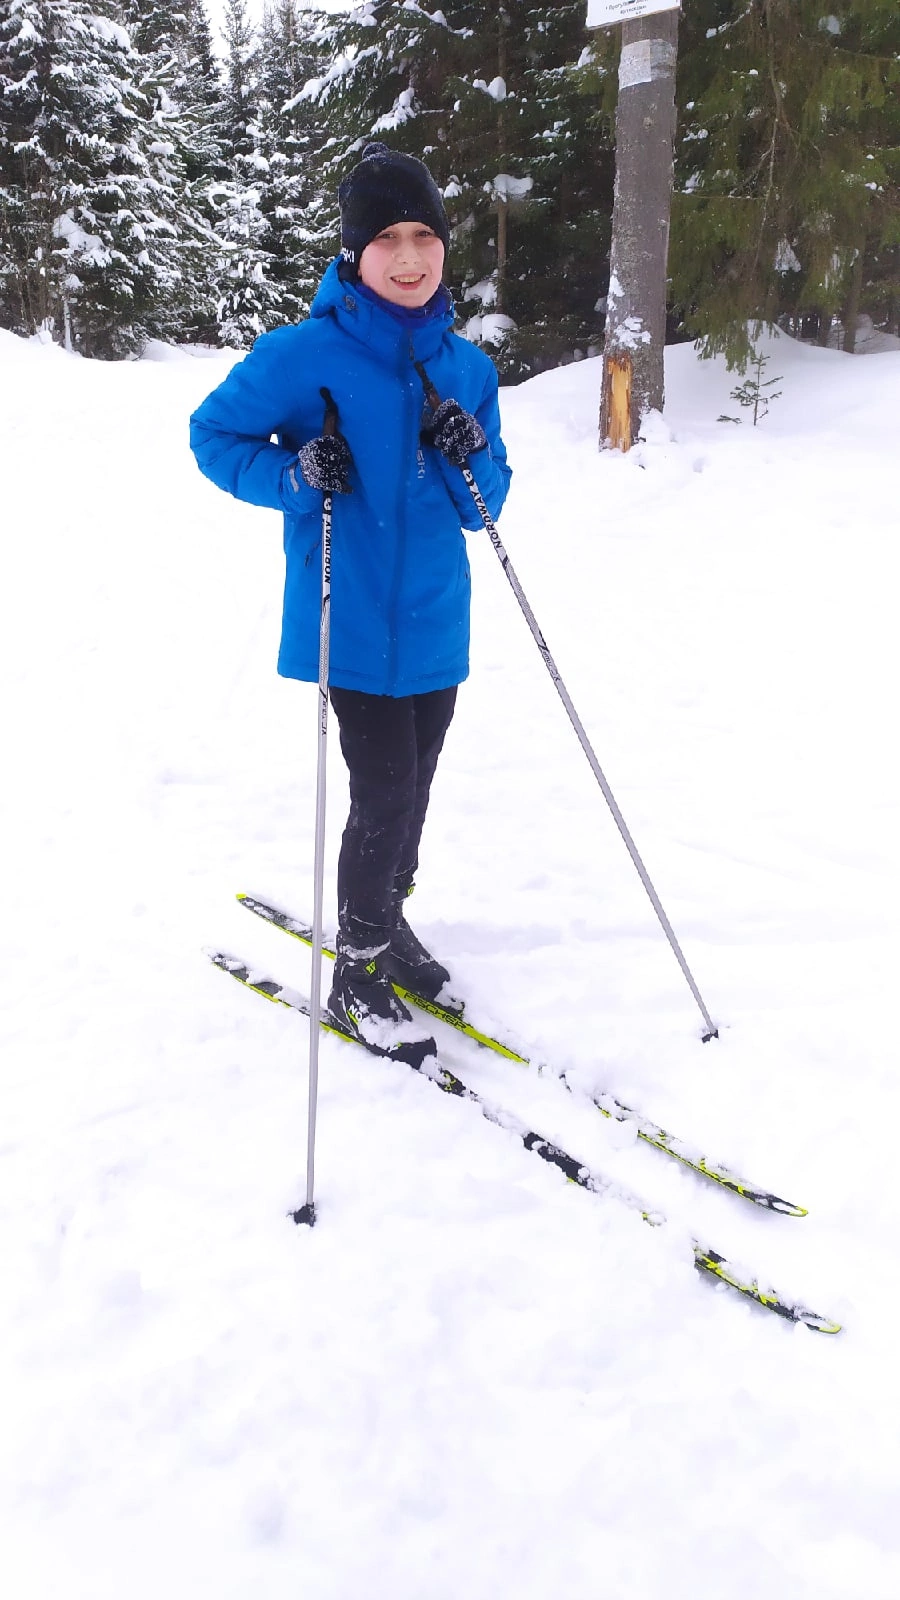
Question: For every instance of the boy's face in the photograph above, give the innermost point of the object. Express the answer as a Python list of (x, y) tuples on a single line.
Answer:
[(404, 263)]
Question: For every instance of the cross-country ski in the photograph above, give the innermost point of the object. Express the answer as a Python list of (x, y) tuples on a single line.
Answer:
[(607, 1104), (705, 1258)]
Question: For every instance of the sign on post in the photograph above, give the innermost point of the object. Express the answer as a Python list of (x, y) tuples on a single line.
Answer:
[(607, 13)]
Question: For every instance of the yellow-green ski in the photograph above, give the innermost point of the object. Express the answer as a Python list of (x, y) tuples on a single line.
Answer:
[(706, 1259), (606, 1104)]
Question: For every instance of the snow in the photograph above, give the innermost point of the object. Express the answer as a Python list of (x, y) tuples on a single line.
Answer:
[(401, 111), (491, 327), (485, 291), (111, 33), (631, 332), (496, 88), (87, 245), (471, 1378), (506, 187), (786, 258)]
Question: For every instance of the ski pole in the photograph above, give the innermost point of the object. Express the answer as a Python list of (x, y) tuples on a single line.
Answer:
[(712, 1031), (307, 1212)]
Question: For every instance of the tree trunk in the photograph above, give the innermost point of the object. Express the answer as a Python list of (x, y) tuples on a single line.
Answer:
[(854, 295), (502, 203), (636, 307), (502, 248)]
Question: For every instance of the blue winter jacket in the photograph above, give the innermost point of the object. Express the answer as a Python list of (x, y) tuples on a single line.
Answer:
[(400, 577)]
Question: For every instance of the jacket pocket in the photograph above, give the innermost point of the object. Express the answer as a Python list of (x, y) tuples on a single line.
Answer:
[(302, 538)]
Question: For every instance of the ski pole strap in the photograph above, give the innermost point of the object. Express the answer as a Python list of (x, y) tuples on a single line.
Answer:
[(431, 394), (330, 425)]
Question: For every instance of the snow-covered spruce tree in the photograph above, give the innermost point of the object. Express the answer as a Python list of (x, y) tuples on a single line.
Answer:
[(199, 95), (20, 280), (491, 94), (198, 92), (89, 197), (290, 131), (247, 299), (180, 80), (787, 199)]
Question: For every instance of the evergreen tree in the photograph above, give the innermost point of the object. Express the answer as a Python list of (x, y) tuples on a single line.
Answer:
[(153, 26), (88, 194), (247, 300), (199, 93), (180, 80), (290, 133), (788, 164), (179, 65), (241, 57)]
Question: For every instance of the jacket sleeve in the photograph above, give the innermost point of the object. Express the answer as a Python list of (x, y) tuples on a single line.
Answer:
[(231, 434), (488, 467)]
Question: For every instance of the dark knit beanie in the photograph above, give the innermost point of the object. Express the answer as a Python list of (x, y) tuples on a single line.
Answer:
[(387, 187)]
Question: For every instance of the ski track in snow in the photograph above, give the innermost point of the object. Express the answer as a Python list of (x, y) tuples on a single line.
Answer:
[(470, 1378)]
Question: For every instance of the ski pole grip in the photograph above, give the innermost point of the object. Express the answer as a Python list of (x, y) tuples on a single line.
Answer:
[(431, 394), (330, 425)]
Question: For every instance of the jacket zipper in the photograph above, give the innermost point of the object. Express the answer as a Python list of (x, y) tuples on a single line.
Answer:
[(401, 526)]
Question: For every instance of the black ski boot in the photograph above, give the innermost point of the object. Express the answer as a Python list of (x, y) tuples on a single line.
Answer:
[(364, 1003), (408, 963)]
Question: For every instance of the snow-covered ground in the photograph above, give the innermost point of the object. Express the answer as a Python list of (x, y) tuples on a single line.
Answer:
[(471, 1379)]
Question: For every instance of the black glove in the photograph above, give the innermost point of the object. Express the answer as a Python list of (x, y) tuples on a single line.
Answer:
[(455, 432), (325, 463)]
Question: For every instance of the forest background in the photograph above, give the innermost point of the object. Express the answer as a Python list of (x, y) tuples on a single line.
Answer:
[(151, 188)]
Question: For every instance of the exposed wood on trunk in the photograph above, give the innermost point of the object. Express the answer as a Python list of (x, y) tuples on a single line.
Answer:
[(618, 377)]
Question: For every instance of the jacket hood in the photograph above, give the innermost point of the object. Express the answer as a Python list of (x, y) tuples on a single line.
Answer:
[(375, 323)]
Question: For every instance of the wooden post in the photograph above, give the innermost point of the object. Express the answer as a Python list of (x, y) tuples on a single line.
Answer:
[(633, 374)]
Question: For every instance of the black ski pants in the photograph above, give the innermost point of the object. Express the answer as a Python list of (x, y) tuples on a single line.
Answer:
[(391, 747)]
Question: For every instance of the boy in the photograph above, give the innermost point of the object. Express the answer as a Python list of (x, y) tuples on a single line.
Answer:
[(400, 578)]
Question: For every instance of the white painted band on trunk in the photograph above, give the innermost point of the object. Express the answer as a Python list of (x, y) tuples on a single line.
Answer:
[(644, 60)]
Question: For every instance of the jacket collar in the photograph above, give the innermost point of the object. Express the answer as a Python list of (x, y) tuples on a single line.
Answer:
[(366, 320)]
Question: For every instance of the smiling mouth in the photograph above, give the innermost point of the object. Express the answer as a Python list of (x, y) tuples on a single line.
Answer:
[(409, 281)]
